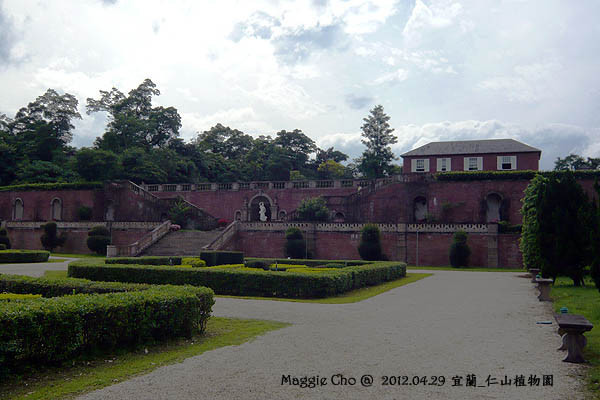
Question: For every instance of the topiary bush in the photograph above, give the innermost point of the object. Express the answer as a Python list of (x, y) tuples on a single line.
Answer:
[(23, 256), (295, 245), (4, 240), (50, 239), (459, 250), (84, 213), (2, 246), (98, 239), (369, 247), (212, 258)]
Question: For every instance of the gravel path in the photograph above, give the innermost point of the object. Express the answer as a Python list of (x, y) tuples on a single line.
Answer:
[(449, 324), (35, 269)]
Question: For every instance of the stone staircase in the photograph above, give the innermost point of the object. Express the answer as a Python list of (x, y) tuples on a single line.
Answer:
[(182, 243)]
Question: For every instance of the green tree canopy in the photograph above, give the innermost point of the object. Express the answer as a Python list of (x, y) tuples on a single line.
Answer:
[(377, 133)]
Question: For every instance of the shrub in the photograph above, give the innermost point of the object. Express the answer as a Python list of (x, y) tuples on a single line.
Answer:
[(256, 264), (2, 246), (247, 282), (222, 223), (23, 256), (4, 240), (14, 296), (56, 329), (84, 213), (295, 245), (313, 209), (146, 260), (212, 258), (52, 186), (195, 262), (506, 227), (50, 239), (178, 213), (459, 250), (98, 239), (308, 263), (369, 247)]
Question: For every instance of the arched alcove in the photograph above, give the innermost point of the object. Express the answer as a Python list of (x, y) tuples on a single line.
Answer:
[(56, 209), (493, 202), (260, 209), (420, 208), (19, 209)]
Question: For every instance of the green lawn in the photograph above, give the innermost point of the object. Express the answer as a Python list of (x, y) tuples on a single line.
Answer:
[(466, 269), (85, 375), (584, 301), (73, 255)]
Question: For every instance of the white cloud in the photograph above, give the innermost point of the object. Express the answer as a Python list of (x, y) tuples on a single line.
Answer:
[(396, 76), (425, 19)]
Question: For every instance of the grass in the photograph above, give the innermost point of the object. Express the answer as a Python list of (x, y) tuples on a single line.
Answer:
[(349, 297), (584, 301), (85, 375), (73, 255), (467, 269), (56, 260)]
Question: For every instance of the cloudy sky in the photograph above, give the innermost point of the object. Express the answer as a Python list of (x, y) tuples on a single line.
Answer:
[(442, 69)]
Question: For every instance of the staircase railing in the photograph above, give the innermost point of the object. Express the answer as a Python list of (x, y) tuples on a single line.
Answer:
[(223, 237), (140, 191), (134, 249)]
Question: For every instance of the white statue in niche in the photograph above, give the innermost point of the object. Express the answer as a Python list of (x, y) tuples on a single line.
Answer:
[(262, 210)]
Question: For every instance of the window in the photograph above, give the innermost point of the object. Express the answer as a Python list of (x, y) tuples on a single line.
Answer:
[(19, 209), (420, 165), (473, 163), (507, 162), (443, 164)]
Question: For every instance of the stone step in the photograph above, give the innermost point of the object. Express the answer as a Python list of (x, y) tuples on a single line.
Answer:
[(182, 243)]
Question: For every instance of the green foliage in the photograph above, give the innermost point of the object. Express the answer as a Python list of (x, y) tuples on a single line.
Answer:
[(331, 170), (145, 260), (50, 238), (179, 212), (377, 133), (2, 246), (52, 186), (23, 256), (308, 263), (508, 175), (98, 239), (313, 209), (212, 258), (195, 262), (595, 236), (459, 250), (13, 296), (573, 162), (295, 245), (56, 329), (557, 226), (96, 164), (256, 264), (296, 176), (84, 213), (248, 282), (369, 247), (507, 227)]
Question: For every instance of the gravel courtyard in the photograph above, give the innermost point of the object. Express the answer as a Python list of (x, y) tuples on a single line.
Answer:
[(450, 324)]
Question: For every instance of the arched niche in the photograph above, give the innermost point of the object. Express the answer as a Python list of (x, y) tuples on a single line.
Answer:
[(19, 209), (109, 213), (282, 215), (238, 215), (420, 208), (493, 202), (339, 217), (260, 208), (56, 209)]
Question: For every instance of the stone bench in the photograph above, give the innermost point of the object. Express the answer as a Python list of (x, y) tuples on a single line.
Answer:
[(544, 287), (534, 272), (571, 327)]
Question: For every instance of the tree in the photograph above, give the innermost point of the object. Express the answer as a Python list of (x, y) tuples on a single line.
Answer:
[(96, 164), (98, 239), (331, 170), (295, 245), (557, 221), (4, 240), (376, 159), (50, 239), (574, 162), (313, 209), (595, 237), (133, 122), (459, 250), (178, 213), (369, 247)]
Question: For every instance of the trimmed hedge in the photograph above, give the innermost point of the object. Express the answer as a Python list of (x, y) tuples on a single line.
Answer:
[(194, 262), (308, 263), (247, 282), (213, 258), (15, 296), (102, 315), (62, 287), (508, 175), (56, 329), (23, 256), (52, 186), (146, 260)]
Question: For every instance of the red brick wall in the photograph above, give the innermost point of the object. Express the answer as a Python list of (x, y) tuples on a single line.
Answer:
[(433, 247), (490, 162), (25, 238)]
